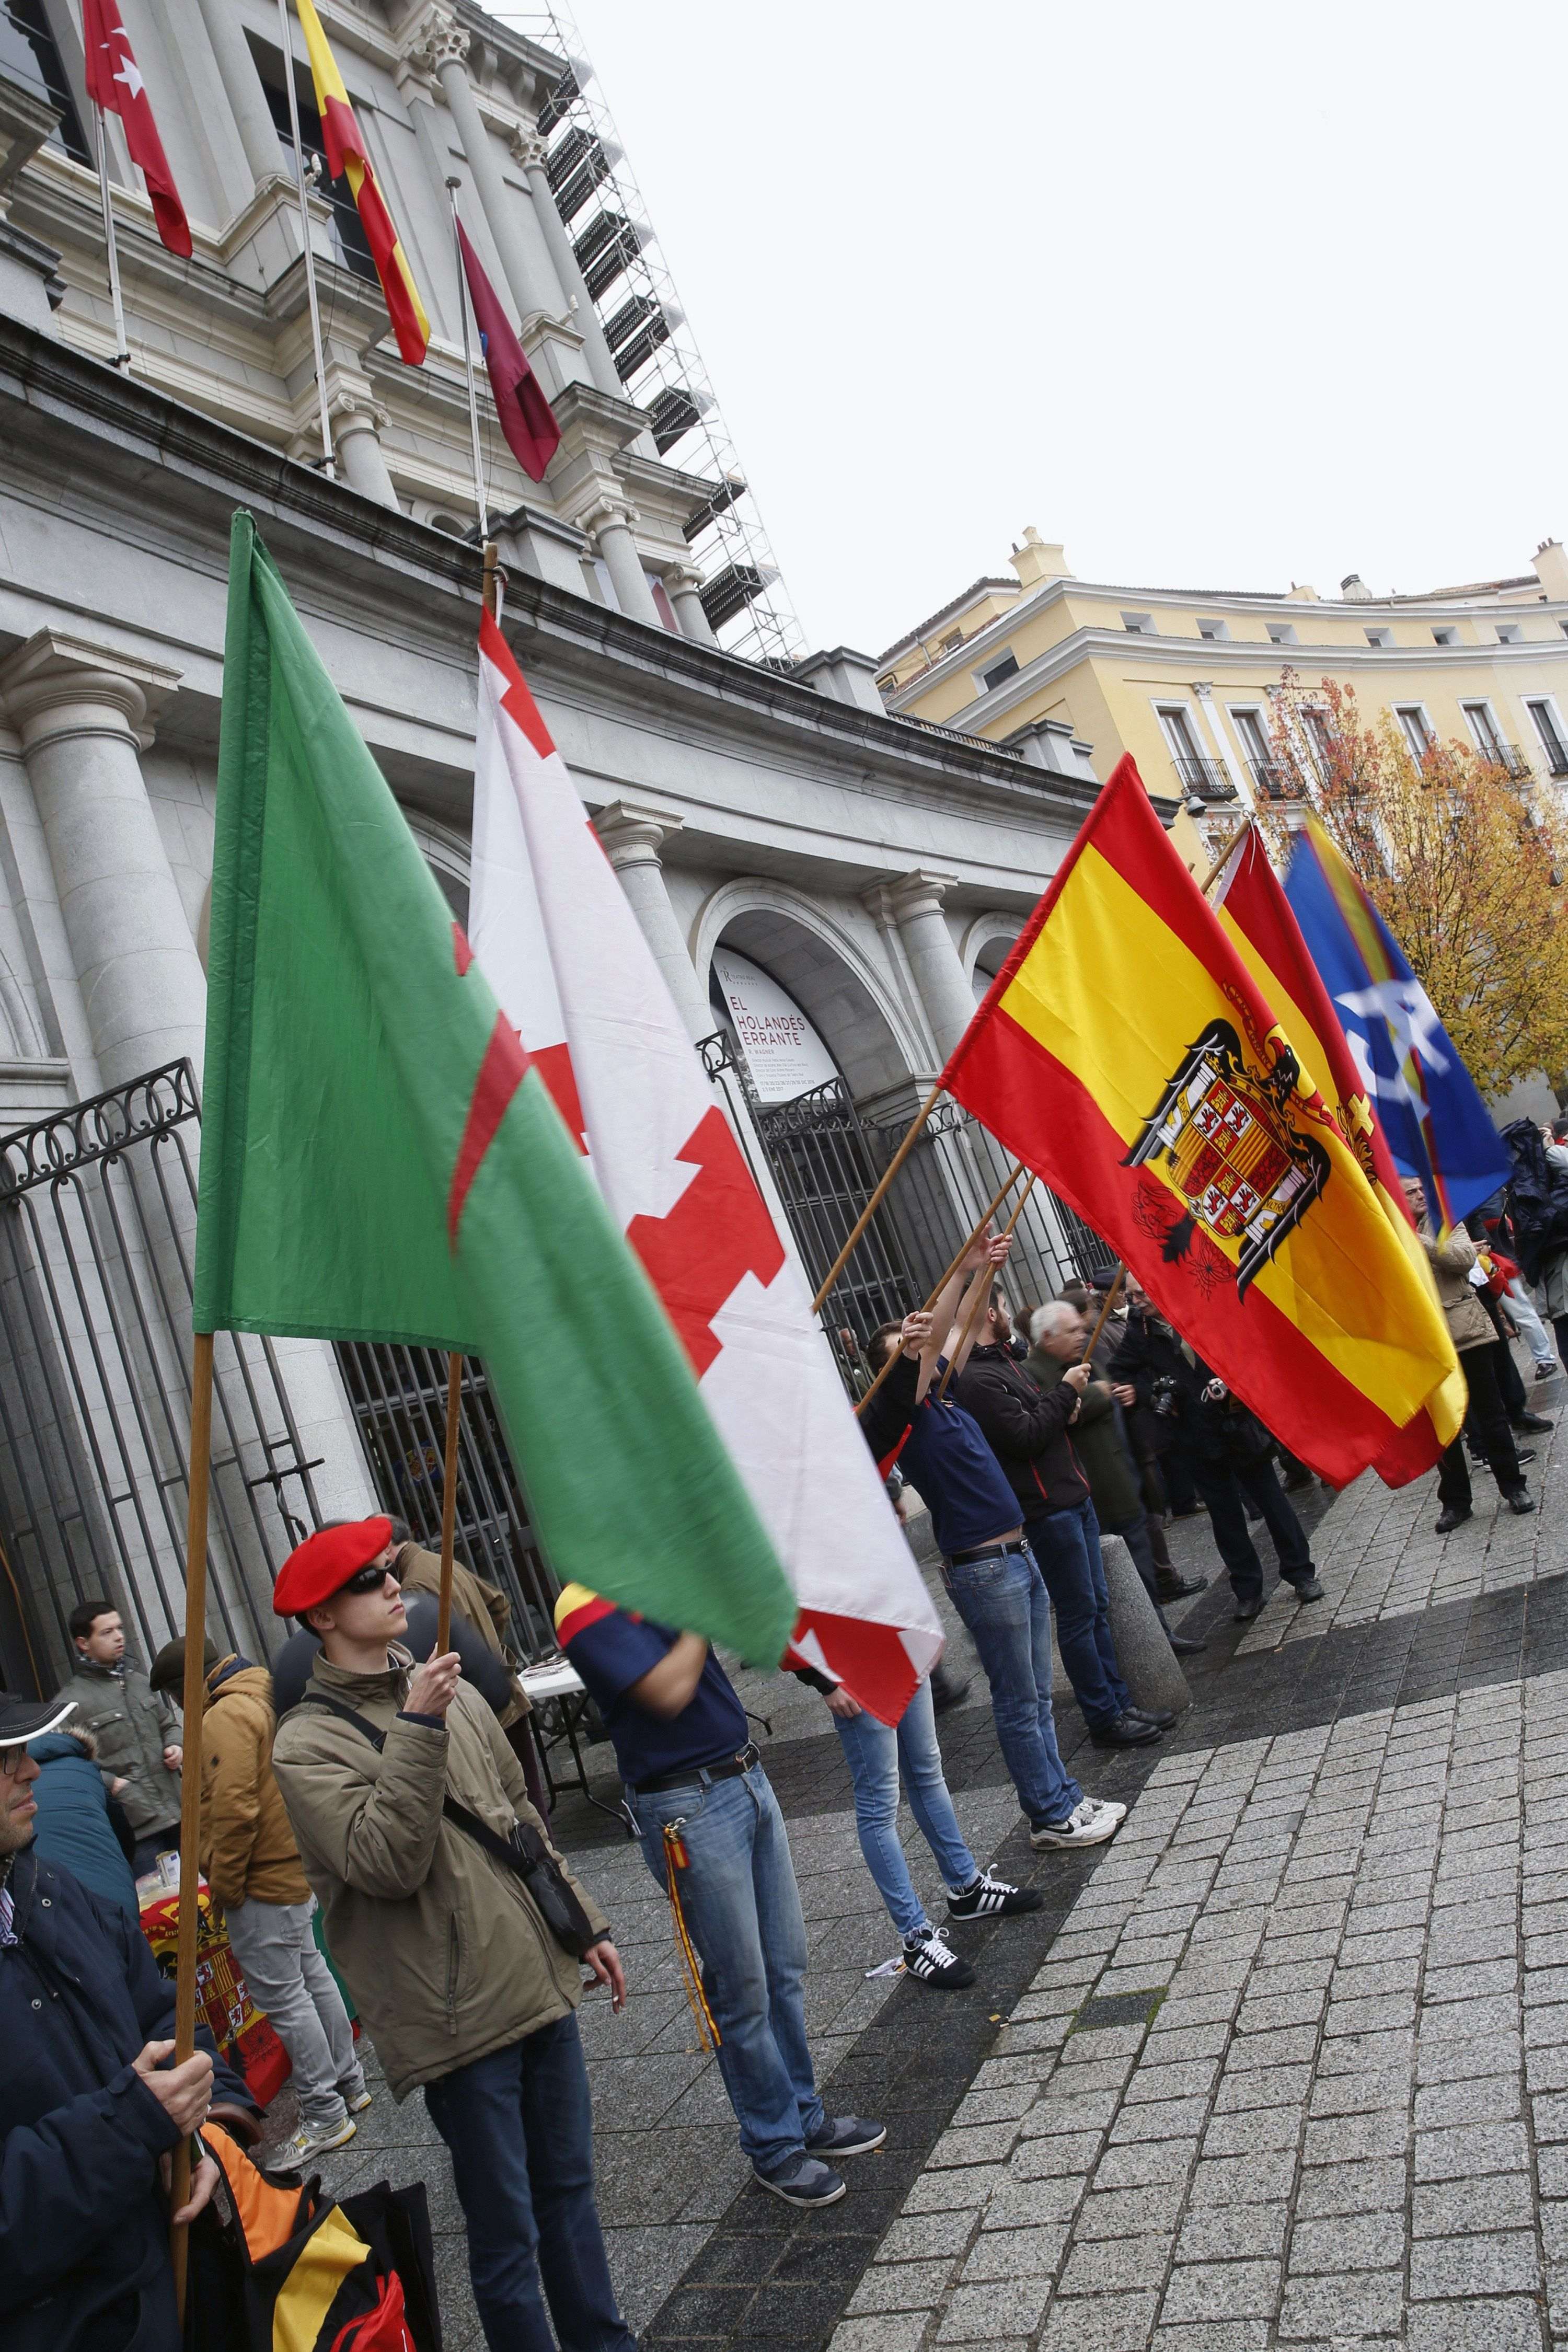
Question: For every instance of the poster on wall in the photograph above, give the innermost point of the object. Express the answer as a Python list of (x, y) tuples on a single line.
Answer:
[(783, 1053)]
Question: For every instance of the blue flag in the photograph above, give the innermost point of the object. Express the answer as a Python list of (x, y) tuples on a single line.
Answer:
[(1424, 1098)]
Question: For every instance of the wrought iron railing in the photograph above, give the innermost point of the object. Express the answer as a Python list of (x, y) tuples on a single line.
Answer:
[(1276, 779), (1210, 779)]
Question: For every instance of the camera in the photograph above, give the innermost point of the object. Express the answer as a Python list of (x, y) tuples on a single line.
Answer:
[(1166, 1397)]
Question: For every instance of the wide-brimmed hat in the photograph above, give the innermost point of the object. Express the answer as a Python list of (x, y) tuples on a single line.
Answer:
[(22, 1719)]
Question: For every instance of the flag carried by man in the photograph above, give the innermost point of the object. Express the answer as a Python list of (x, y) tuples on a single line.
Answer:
[(523, 414), (1125, 1053), (115, 85), (570, 966), (348, 157), (1254, 914), (1439, 1129), (379, 1161)]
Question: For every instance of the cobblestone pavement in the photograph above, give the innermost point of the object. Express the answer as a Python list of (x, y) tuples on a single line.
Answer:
[(1285, 2064)]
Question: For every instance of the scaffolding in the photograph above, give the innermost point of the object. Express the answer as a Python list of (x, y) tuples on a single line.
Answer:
[(653, 350)]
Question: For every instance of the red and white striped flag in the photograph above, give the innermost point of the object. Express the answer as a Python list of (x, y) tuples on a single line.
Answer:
[(567, 960)]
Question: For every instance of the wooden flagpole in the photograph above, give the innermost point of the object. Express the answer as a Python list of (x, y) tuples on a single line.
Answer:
[(1223, 860), (971, 1238), (1106, 1312), (193, 1698), (878, 1197), (982, 1297)]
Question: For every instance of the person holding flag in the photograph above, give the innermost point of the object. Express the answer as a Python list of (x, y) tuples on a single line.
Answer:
[(1454, 1261)]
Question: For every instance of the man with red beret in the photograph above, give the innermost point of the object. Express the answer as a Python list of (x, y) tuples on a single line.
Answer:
[(405, 1795)]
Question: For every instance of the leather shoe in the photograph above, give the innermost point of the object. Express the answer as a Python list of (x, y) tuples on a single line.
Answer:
[(1533, 1422), (1519, 1500), (1250, 1607), (1308, 1588), (1184, 1645), (1160, 1717), (1127, 1731), (1177, 1588), (1524, 1453), (1452, 1516)]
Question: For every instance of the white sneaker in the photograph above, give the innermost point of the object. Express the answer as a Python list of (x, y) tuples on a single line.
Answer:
[(358, 2103), (1108, 1805), (1087, 1824), (312, 2139)]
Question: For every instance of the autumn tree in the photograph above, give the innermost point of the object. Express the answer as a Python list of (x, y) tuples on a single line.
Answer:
[(1465, 859)]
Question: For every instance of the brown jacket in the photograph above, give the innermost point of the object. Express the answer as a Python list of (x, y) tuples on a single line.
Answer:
[(1469, 1324), (442, 1949), (247, 1847)]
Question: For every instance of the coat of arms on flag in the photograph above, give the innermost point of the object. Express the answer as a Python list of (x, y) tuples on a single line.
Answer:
[(1244, 1171)]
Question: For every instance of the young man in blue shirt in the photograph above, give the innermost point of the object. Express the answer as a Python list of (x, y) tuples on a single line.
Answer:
[(684, 1749), (988, 1567)]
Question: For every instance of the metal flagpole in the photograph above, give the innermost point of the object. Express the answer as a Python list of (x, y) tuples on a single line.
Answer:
[(452, 187), (121, 348), (329, 465)]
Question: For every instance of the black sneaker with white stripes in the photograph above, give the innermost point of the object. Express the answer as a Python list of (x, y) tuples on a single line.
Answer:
[(931, 1959), (991, 1897)]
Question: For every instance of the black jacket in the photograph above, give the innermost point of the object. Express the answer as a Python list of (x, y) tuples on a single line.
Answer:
[(1027, 1432), (84, 2227), (1537, 1199), (1150, 1351)]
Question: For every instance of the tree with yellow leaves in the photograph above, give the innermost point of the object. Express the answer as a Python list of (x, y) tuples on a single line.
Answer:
[(1466, 859)]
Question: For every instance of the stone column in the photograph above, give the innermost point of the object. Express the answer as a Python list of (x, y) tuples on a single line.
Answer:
[(357, 435), (242, 85), (610, 522), (83, 712), (519, 239), (915, 900), (632, 837), (529, 149), (682, 585)]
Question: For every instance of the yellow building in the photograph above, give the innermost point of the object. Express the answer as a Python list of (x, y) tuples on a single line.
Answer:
[(1180, 678)]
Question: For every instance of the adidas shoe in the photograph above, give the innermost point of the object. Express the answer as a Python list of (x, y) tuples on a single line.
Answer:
[(991, 1897), (1087, 1824), (931, 1959)]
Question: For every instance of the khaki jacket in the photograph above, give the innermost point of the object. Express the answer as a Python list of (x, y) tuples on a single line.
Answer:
[(485, 1606), (132, 1726), (442, 1949), (1469, 1324), (247, 1847)]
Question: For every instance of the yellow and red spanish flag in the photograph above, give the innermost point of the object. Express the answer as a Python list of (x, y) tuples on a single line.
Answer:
[(347, 157), (1253, 911), (1127, 1055)]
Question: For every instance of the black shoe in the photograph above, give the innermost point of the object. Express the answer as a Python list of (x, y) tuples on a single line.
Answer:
[(803, 2180), (947, 1688), (1127, 1731), (991, 1897), (1452, 1516), (1196, 1512), (846, 2136), (1524, 1453), (1535, 1422), (1178, 1588), (1308, 1588), (931, 1959), (1184, 1645), (1520, 1501), (1546, 1371), (1296, 1480), (1251, 1607), (1161, 1718)]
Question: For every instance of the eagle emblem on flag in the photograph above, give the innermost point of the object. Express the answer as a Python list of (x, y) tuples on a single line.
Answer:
[(1224, 1132)]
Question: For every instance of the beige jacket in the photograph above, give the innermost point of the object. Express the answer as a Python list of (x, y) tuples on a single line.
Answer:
[(247, 1847), (444, 1951), (1469, 1324)]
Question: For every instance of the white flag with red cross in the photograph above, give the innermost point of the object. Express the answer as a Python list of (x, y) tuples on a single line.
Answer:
[(568, 962)]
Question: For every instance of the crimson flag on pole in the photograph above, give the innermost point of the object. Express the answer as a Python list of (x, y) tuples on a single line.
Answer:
[(524, 415), (115, 85)]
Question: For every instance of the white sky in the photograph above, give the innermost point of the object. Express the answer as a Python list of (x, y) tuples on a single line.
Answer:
[(1220, 295)]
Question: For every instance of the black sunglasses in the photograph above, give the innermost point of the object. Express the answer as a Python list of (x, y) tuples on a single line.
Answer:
[(366, 1580)]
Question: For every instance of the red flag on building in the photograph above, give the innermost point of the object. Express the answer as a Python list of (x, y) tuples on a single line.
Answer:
[(525, 416), (115, 85)]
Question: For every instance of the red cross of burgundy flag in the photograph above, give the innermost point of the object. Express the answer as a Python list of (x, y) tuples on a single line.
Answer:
[(570, 965), (115, 85)]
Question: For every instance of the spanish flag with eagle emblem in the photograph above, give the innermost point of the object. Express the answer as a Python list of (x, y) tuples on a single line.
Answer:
[(348, 158), (1126, 1053)]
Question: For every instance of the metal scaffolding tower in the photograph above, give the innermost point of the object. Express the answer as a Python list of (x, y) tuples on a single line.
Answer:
[(655, 352)]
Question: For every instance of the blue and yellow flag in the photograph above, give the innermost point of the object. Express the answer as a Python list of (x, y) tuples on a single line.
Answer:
[(1426, 1102)]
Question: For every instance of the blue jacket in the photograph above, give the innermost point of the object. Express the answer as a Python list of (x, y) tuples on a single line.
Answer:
[(84, 2228), (72, 1825)]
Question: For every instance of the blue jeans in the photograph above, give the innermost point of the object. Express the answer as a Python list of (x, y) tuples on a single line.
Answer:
[(1004, 1605), (1066, 1545), (742, 1908), (519, 2127), (875, 1756)]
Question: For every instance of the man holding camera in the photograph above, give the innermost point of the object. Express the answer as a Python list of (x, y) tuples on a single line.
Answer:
[(451, 1918)]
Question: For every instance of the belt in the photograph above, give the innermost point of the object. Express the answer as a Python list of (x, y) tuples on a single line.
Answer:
[(988, 1552), (733, 1768)]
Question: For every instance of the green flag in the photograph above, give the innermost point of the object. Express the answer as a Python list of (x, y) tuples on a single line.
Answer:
[(378, 1163)]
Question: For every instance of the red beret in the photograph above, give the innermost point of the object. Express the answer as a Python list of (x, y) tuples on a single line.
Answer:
[(324, 1562)]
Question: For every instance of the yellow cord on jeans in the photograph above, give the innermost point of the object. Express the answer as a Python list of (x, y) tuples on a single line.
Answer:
[(677, 1858)]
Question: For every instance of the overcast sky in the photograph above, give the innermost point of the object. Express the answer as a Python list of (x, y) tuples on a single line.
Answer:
[(1222, 296)]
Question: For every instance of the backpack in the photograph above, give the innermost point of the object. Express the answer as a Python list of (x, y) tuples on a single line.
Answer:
[(273, 2263)]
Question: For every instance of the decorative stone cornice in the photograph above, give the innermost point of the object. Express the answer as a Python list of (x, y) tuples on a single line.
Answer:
[(55, 685)]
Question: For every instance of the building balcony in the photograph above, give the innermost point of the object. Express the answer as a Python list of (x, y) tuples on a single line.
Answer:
[(1210, 779), (1276, 780), (1509, 758)]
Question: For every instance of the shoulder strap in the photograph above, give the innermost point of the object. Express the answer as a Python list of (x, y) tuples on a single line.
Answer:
[(365, 1728), (458, 1815)]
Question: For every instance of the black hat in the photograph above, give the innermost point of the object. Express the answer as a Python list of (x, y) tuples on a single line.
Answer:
[(22, 1719)]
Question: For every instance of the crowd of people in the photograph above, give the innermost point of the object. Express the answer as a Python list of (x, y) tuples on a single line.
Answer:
[(365, 1798)]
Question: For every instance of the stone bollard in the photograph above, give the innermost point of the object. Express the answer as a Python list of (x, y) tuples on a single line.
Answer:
[(1150, 1668)]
